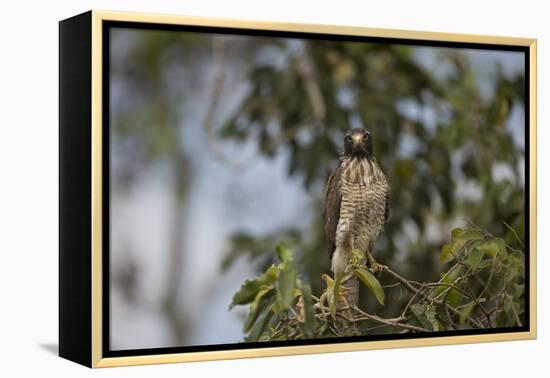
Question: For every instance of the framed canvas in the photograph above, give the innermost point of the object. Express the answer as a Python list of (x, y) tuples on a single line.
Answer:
[(234, 189)]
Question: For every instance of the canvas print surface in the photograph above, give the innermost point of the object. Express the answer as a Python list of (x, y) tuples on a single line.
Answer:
[(267, 188)]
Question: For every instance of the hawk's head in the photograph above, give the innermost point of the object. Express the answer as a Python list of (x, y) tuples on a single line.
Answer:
[(358, 143)]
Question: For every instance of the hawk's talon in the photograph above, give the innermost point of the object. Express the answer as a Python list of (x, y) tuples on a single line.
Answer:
[(375, 267)]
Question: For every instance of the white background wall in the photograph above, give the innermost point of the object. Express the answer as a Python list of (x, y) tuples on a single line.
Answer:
[(29, 185)]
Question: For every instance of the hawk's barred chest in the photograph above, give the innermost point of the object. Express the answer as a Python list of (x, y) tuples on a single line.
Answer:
[(364, 190)]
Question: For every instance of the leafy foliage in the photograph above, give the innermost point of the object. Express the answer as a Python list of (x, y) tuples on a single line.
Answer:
[(372, 283), (434, 133), (273, 295), (483, 288)]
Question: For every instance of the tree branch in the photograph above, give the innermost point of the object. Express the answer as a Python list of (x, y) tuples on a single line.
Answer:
[(414, 290)]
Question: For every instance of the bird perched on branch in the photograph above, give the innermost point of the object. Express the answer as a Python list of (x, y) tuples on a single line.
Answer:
[(356, 206)]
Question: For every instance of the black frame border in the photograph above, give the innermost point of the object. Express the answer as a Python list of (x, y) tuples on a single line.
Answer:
[(75, 197)]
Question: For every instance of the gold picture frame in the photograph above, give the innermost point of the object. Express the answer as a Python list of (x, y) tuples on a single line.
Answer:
[(81, 321)]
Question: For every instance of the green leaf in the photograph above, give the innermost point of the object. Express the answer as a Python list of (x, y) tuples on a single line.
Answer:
[(507, 305), (457, 232), (459, 239), (502, 319), (473, 259), (452, 274), (286, 281), (246, 294), (418, 308), (259, 327), (283, 254), (372, 283), (471, 234), (256, 307), (453, 298), (518, 290), (449, 278), (332, 293), (445, 321), (431, 316), (308, 327), (449, 250), (493, 247), (285, 286), (250, 288), (419, 311), (466, 311), (485, 264), (427, 316)]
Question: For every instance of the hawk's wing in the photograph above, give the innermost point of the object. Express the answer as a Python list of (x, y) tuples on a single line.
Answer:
[(331, 209), (387, 210)]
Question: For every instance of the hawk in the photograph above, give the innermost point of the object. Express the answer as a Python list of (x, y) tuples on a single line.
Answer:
[(356, 204)]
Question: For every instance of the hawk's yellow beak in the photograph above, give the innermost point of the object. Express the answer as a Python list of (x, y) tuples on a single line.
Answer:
[(357, 138)]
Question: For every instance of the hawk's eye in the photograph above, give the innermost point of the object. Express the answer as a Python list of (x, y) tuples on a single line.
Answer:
[(348, 138), (366, 136)]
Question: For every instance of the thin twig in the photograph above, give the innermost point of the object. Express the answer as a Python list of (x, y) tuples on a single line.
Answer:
[(306, 70), (391, 286), (404, 312), (450, 286), (515, 234), (218, 53), (516, 314), (489, 279), (412, 289), (391, 322)]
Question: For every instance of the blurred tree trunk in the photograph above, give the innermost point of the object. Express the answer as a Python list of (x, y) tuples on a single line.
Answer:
[(176, 318)]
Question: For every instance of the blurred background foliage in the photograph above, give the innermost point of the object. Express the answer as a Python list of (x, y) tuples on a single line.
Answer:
[(448, 128)]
